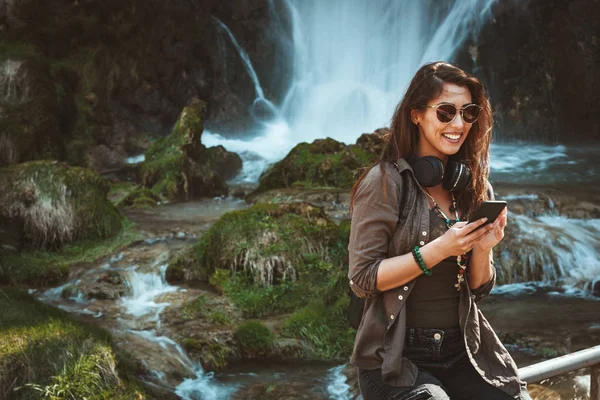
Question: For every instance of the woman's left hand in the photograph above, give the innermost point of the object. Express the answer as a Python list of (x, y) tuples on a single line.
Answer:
[(495, 235)]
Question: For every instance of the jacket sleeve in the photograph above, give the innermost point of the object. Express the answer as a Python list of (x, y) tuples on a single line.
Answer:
[(374, 221), (485, 289)]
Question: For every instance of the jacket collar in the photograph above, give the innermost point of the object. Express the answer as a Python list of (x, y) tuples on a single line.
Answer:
[(403, 164)]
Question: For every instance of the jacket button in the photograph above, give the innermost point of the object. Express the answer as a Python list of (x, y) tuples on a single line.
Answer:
[(391, 317), (352, 283), (400, 297), (424, 233), (405, 288), (422, 243), (437, 336)]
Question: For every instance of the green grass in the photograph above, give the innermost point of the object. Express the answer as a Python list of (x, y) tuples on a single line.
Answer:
[(324, 327), (37, 268), (46, 354)]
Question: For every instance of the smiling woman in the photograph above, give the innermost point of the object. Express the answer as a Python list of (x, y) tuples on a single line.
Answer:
[(420, 266)]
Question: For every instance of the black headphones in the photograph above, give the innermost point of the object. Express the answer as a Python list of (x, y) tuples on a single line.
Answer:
[(429, 171)]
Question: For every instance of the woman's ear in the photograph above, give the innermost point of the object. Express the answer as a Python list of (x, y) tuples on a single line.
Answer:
[(414, 116)]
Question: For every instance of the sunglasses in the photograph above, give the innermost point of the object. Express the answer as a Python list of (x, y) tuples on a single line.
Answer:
[(446, 112)]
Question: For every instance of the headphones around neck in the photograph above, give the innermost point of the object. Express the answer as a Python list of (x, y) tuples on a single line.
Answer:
[(429, 171)]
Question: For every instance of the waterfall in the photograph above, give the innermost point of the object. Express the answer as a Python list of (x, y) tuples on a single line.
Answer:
[(352, 62), (12, 87), (354, 58)]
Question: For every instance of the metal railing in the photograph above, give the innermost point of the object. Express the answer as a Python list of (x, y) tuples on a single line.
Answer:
[(567, 363)]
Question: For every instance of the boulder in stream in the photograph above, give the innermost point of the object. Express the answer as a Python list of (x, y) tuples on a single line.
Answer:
[(179, 165), (325, 163)]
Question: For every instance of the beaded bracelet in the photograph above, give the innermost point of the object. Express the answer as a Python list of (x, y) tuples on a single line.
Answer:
[(419, 260)]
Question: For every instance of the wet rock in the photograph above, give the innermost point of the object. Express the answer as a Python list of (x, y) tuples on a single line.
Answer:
[(182, 266), (285, 390), (104, 158), (351, 373)]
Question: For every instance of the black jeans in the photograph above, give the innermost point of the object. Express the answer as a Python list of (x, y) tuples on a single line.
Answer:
[(445, 371)]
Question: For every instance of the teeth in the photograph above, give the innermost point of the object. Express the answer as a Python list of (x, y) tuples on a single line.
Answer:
[(452, 137)]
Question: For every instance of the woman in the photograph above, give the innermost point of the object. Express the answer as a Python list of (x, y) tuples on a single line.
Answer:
[(421, 267)]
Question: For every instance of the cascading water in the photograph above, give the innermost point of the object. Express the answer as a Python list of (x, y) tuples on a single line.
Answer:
[(12, 88), (352, 62)]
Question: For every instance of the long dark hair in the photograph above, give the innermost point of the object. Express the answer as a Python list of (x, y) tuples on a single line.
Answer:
[(426, 85)]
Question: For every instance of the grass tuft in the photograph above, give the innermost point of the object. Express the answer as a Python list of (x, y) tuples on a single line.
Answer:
[(46, 354)]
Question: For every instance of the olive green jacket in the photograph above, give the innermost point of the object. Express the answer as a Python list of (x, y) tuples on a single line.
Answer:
[(383, 228)]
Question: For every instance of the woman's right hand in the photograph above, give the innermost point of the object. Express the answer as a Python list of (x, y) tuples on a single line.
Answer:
[(462, 237)]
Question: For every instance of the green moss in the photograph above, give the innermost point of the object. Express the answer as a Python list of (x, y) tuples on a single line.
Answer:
[(120, 190), (45, 354), (43, 268), (220, 278), (325, 163), (255, 339), (213, 355), (140, 198), (195, 308), (219, 318)]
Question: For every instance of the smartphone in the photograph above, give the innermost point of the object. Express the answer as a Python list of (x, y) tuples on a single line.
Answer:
[(489, 209)]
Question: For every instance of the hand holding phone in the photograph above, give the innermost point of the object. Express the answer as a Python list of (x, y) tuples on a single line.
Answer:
[(488, 209)]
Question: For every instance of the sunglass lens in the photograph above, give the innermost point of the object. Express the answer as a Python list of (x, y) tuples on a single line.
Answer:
[(446, 112), (470, 113)]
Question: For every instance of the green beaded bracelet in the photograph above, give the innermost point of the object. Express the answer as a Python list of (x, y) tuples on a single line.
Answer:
[(419, 260)]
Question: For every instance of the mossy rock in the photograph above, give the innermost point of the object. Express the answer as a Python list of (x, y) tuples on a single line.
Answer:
[(255, 339), (269, 258), (272, 243), (48, 204), (324, 163), (178, 165)]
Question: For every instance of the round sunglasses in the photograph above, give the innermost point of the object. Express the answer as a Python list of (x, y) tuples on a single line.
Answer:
[(446, 112)]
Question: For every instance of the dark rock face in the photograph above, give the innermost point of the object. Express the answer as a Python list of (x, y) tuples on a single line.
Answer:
[(119, 73), (539, 60)]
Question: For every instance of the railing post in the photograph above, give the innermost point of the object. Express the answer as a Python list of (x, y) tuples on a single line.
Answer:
[(595, 382)]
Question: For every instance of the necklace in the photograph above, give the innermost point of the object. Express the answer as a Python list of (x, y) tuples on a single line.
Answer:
[(461, 260)]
